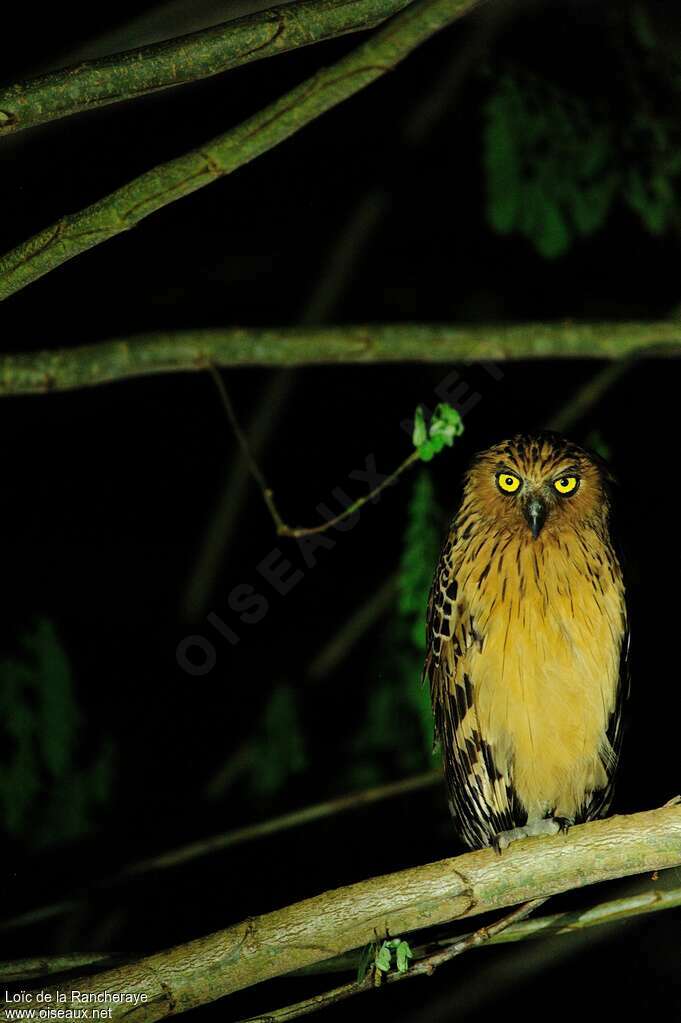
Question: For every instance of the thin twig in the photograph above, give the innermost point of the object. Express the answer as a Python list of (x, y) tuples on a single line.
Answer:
[(476, 938), (298, 531), (335, 271), (237, 836), (281, 527), (253, 466), (307, 815), (589, 395), (220, 530), (353, 628)]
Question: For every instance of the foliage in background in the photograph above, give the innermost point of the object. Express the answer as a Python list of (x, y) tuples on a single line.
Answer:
[(278, 748), (396, 736), (52, 782), (597, 442), (422, 541), (555, 162), (395, 729)]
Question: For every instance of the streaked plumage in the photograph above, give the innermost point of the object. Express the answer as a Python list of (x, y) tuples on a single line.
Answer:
[(527, 639)]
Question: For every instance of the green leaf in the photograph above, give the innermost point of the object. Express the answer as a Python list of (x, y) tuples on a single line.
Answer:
[(383, 958), (403, 954), (420, 433), (591, 204), (596, 154), (649, 198), (553, 237), (445, 425)]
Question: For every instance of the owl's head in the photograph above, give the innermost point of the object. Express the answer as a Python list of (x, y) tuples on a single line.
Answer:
[(537, 482)]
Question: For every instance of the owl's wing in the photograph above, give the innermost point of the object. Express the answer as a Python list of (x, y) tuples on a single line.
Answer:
[(481, 798), (600, 801)]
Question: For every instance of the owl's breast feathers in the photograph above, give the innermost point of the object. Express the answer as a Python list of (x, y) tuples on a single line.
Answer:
[(524, 664)]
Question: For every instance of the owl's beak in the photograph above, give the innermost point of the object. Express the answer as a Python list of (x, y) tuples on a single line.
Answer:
[(535, 512)]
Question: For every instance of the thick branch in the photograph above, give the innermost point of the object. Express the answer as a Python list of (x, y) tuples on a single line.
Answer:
[(424, 968), (570, 921), (170, 181), (123, 76), (191, 350), (328, 925), (567, 922)]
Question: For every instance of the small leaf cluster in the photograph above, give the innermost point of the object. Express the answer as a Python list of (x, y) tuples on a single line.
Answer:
[(444, 427), (397, 950)]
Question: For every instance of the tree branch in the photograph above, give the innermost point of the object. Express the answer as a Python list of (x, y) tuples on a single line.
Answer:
[(590, 394), (191, 350), (44, 966), (571, 921), (275, 825), (628, 907), (236, 836), (328, 925), (268, 494), (426, 967), (124, 76), (170, 181)]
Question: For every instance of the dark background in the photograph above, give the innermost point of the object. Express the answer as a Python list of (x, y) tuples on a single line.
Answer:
[(379, 212)]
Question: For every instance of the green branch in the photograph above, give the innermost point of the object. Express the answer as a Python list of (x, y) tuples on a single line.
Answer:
[(191, 350), (168, 182), (123, 76)]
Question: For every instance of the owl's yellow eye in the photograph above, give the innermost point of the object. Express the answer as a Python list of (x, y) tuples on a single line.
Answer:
[(508, 482), (566, 484)]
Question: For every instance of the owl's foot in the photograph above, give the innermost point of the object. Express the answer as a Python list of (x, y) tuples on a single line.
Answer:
[(533, 829)]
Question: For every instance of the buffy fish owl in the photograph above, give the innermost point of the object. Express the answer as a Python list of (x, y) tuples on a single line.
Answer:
[(527, 643)]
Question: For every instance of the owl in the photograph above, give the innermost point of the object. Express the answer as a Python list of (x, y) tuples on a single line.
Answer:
[(527, 643)]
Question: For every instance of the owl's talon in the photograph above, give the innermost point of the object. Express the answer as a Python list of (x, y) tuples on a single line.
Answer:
[(533, 829)]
